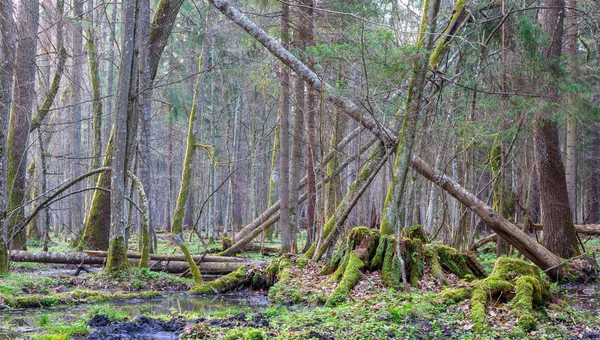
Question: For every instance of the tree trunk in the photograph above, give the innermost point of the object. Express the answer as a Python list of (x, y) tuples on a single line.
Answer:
[(117, 259), (186, 175), (96, 88), (76, 204), (18, 133), (97, 223), (394, 198), (169, 264), (559, 233), (571, 155), (7, 55), (162, 24), (284, 151)]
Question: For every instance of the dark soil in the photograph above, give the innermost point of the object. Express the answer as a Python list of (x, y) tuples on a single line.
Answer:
[(142, 328), (146, 328)]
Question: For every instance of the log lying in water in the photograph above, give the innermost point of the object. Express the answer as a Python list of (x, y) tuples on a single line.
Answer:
[(168, 266)]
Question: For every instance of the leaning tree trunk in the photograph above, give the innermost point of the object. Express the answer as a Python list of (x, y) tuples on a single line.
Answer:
[(18, 132), (559, 232), (7, 48)]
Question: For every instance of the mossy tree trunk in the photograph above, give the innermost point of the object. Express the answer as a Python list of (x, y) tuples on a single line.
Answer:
[(284, 141), (96, 88), (186, 175), (8, 47), (20, 116), (97, 224), (516, 237), (336, 221)]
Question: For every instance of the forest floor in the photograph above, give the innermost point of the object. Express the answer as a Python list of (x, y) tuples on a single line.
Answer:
[(295, 310)]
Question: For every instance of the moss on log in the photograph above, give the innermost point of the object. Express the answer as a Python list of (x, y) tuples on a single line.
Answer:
[(225, 283)]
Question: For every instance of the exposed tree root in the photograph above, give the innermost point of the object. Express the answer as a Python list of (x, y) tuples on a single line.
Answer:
[(511, 280)]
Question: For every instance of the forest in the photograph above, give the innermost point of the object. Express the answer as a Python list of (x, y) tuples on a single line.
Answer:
[(299, 169)]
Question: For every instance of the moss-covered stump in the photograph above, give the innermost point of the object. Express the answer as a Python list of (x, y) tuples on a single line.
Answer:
[(511, 280), (357, 235), (363, 249), (415, 232)]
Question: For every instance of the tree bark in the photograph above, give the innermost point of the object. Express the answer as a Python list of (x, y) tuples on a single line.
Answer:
[(76, 204), (559, 233), (117, 259), (284, 151), (96, 87), (7, 55), (22, 104), (162, 24), (96, 230), (412, 111)]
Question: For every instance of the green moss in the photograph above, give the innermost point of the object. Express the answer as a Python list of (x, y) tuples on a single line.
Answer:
[(255, 334), (3, 258), (377, 260), (350, 278), (527, 322), (224, 283), (453, 260), (192, 263), (76, 296), (415, 261), (453, 295), (117, 255), (390, 270), (415, 232), (508, 275), (432, 259), (478, 302)]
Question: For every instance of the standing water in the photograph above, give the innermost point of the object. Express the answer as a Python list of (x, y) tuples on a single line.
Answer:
[(22, 323)]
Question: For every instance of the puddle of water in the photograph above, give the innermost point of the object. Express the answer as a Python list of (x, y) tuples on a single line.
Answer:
[(15, 323)]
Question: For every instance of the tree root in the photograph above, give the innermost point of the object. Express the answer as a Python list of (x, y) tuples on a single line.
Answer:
[(511, 280)]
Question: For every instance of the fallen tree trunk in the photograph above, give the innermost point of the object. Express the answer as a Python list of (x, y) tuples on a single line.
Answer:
[(585, 229), (168, 266), (516, 237), (168, 257), (484, 241)]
